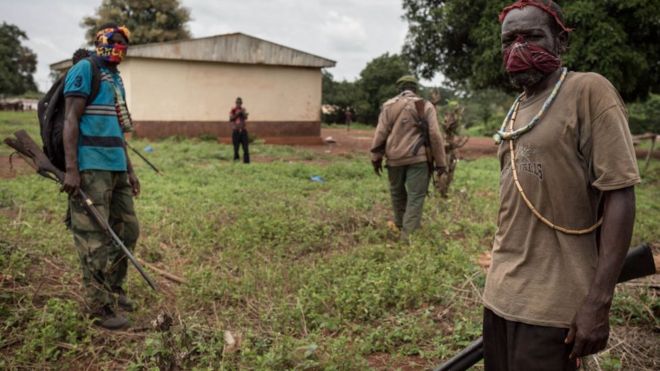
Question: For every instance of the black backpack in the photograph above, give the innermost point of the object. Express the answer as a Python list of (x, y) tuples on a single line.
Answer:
[(50, 111)]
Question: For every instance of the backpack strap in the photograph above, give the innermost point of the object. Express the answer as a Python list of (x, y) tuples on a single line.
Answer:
[(419, 105), (424, 140), (96, 80)]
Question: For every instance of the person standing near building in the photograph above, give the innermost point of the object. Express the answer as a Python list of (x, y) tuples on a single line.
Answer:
[(239, 135), (567, 202), (400, 139), (348, 118), (97, 162)]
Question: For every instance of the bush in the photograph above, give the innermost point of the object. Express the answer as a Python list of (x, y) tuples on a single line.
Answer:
[(645, 116)]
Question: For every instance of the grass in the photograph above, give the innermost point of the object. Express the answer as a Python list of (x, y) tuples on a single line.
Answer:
[(299, 274)]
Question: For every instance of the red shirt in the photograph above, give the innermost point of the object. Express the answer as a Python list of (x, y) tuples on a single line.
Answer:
[(238, 119)]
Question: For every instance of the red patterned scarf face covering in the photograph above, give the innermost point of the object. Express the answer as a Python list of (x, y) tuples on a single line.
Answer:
[(522, 56), (111, 52)]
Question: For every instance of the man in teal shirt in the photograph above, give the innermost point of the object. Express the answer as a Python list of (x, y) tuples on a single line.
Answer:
[(97, 162)]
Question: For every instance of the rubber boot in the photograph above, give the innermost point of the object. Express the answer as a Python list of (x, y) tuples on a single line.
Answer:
[(110, 320), (124, 302)]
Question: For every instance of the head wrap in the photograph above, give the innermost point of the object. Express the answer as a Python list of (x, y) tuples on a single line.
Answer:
[(547, 6), (109, 50)]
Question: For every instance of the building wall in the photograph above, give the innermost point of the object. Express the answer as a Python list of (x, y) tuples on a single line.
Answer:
[(202, 91), (194, 98)]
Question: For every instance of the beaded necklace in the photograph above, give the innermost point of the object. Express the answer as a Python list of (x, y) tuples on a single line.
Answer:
[(511, 118), (513, 134)]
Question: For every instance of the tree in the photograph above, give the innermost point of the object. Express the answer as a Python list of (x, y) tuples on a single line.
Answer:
[(148, 20), (375, 85), (617, 39), (645, 116), (343, 95), (482, 106), (377, 82), (17, 62)]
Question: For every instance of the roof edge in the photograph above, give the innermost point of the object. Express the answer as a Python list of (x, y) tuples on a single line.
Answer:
[(333, 62)]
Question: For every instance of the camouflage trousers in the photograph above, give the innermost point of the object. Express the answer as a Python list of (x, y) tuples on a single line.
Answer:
[(103, 264), (408, 187)]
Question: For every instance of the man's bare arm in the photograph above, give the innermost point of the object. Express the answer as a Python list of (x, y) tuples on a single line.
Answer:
[(73, 110), (590, 328), (132, 178)]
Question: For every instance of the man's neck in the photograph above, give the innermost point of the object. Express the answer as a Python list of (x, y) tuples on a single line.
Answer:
[(546, 82), (103, 63)]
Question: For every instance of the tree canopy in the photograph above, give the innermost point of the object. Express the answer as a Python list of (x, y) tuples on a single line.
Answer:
[(377, 81), (17, 62), (618, 39), (149, 20), (375, 85)]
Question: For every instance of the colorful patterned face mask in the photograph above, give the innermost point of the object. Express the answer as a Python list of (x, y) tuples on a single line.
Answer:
[(522, 56), (106, 49)]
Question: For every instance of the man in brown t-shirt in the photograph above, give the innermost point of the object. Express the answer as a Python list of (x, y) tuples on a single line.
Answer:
[(551, 282)]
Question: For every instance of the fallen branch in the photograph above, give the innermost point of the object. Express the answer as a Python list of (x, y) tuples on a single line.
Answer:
[(646, 136), (163, 273)]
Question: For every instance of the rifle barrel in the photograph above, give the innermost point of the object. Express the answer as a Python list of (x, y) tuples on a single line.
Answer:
[(89, 205), (144, 158)]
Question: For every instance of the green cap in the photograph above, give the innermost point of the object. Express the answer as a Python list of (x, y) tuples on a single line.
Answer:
[(406, 80)]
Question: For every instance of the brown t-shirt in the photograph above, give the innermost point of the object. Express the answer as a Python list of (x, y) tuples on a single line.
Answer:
[(580, 148)]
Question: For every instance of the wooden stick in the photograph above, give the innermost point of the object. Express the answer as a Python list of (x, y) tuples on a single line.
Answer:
[(648, 155), (163, 273)]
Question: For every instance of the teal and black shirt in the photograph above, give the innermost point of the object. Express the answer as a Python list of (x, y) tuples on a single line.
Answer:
[(101, 140)]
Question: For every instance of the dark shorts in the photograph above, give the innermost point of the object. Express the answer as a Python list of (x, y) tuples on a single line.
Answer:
[(516, 346)]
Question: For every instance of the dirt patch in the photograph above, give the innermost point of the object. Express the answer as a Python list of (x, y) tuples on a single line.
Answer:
[(359, 141), (13, 167), (643, 153), (384, 361)]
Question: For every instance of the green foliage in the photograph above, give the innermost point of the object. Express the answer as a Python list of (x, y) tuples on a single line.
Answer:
[(149, 21), (617, 39), (645, 116), (486, 108), (377, 82), (17, 62), (53, 332), (366, 95), (342, 95)]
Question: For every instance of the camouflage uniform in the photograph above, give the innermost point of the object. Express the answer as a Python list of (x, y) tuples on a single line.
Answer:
[(104, 264)]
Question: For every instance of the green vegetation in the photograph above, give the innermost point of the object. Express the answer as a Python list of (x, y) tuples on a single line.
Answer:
[(17, 62), (149, 21), (617, 39), (645, 116), (302, 275), (367, 94)]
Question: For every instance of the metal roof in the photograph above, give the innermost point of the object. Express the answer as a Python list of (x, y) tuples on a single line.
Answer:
[(228, 48)]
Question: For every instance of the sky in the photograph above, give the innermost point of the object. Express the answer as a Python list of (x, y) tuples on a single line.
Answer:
[(350, 32)]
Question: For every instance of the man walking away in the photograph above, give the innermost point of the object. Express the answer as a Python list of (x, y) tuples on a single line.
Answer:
[(400, 138), (97, 163), (567, 202), (239, 135)]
